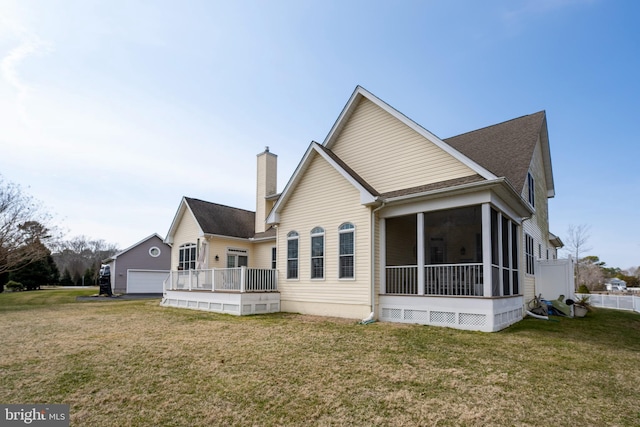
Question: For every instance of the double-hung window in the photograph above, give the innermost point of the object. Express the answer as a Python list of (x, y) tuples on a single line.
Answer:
[(532, 190), (528, 253), (317, 253), (292, 255), (347, 251), (274, 253)]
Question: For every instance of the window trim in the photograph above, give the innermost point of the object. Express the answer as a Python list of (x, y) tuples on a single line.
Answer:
[(346, 228), (531, 186), (316, 233), (274, 257), (529, 255), (191, 250), (293, 236)]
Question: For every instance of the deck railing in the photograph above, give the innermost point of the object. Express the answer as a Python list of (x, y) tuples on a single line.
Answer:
[(240, 279), (439, 279)]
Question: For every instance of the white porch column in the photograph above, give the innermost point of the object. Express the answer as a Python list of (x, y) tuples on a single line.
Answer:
[(486, 249), (420, 253), (383, 255), (243, 275)]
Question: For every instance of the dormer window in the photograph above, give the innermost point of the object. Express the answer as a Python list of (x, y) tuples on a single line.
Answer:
[(532, 191)]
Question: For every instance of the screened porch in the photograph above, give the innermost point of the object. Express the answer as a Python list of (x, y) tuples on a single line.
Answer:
[(462, 252)]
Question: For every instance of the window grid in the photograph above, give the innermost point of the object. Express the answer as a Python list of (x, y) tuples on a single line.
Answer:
[(292, 255), (346, 251), (532, 191), (187, 257), (529, 255), (317, 253)]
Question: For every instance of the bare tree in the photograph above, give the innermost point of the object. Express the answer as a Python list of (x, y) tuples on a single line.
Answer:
[(577, 244), (591, 273), (81, 253), (23, 228)]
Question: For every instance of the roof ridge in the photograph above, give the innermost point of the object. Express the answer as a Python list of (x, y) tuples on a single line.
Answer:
[(496, 124)]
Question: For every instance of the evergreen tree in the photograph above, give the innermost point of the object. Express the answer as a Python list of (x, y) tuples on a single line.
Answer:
[(66, 278), (77, 279), (34, 274)]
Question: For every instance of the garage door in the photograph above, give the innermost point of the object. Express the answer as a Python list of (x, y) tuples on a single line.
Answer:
[(146, 281)]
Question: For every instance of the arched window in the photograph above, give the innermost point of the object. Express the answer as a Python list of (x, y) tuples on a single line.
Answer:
[(347, 245), (292, 255), (317, 253), (187, 257)]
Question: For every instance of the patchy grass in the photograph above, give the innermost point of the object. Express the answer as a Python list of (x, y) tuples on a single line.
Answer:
[(133, 363), (26, 300)]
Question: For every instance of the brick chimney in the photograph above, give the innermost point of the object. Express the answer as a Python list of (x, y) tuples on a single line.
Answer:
[(266, 185)]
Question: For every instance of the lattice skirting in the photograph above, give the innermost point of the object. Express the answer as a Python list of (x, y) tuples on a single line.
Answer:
[(451, 318)]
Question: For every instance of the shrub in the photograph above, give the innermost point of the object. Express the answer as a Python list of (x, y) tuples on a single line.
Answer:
[(582, 289), (14, 286)]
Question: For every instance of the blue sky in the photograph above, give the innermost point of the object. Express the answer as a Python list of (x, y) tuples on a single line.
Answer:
[(111, 111)]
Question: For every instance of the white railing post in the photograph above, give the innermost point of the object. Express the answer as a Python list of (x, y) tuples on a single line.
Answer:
[(213, 280), (243, 271), (487, 276), (190, 277), (420, 253)]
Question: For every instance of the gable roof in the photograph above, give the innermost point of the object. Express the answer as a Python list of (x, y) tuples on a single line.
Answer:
[(215, 219), (111, 258), (368, 194), (506, 149), (222, 220), (360, 93)]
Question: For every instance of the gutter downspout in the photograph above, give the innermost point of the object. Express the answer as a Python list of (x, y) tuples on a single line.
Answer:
[(373, 258)]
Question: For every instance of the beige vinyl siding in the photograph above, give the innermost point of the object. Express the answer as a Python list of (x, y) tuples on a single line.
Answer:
[(262, 254), (187, 231), (391, 156), (323, 198), (220, 245), (538, 225)]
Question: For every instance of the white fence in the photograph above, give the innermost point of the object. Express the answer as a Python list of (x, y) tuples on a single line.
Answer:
[(618, 302), (241, 279)]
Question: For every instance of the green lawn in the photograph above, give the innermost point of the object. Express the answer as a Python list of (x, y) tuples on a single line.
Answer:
[(134, 363)]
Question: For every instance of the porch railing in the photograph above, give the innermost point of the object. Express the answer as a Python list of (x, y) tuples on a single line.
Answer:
[(241, 279), (439, 279)]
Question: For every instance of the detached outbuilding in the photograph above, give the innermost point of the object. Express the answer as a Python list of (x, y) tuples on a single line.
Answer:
[(141, 268)]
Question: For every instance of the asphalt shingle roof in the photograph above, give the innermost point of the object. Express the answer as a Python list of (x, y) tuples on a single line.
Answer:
[(505, 149), (222, 220)]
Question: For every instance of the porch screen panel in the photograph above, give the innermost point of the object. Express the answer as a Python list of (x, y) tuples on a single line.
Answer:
[(401, 250), (495, 254), (515, 282), (506, 257)]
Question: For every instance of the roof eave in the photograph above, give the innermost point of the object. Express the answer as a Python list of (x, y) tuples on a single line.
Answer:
[(184, 207), (499, 185)]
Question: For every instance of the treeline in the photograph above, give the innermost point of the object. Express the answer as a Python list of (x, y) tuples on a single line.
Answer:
[(593, 274), (74, 262), (32, 250), (78, 260)]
